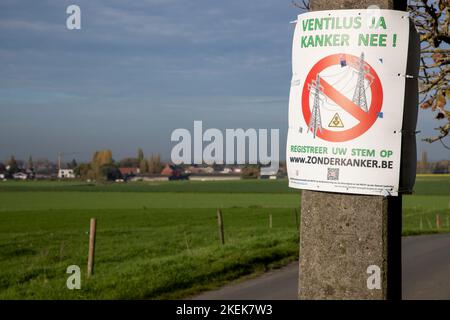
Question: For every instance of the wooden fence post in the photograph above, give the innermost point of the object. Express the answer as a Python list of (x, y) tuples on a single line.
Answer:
[(438, 221), (220, 224), (270, 221), (92, 230)]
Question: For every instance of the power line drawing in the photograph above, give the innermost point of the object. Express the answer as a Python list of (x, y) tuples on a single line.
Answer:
[(315, 122), (349, 82), (352, 78), (363, 71)]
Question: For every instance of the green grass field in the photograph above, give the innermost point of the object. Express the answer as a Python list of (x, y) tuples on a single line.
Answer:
[(160, 240)]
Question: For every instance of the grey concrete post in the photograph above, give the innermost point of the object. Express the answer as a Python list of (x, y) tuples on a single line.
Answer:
[(341, 235)]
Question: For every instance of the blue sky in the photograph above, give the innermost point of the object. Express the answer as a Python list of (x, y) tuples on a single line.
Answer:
[(137, 70)]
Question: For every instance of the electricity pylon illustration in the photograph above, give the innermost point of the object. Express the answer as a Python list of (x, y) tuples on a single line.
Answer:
[(359, 96), (315, 122)]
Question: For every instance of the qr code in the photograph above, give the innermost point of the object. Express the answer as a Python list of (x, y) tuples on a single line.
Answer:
[(333, 174)]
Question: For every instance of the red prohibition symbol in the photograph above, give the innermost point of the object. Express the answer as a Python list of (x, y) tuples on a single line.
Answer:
[(365, 119)]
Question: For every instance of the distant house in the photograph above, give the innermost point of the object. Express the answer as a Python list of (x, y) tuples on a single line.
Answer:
[(168, 170), (226, 170), (208, 170), (173, 172), (125, 171), (237, 170), (20, 176), (194, 169), (268, 176), (66, 174), (30, 173)]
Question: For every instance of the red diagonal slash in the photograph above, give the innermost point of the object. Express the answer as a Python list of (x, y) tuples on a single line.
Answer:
[(343, 101), (366, 120)]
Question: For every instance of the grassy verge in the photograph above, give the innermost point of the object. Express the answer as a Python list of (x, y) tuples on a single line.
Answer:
[(425, 220), (160, 240), (153, 253)]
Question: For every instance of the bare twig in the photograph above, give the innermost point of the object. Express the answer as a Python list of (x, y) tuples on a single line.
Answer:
[(303, 5), (432, 20)]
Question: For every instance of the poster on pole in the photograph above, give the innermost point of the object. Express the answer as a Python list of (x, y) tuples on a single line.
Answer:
[(346, 101)]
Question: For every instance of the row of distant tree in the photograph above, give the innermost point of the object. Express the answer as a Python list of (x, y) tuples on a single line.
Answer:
[(101, 167), (12, 165), (425, 166), (151, 164)]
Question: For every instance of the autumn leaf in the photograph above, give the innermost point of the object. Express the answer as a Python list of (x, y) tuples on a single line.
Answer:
[(437, 57), (441, 101), (425, 105)]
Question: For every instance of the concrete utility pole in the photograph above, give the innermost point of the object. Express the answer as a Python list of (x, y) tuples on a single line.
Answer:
[(341, 235)]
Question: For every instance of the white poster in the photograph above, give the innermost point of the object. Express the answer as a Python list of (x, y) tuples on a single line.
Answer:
[(346, 101)]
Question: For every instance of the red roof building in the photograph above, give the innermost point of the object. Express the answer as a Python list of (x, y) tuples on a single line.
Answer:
[(129, 171)]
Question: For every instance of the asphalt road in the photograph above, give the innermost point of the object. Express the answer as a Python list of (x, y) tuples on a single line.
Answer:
[(425, 266)]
